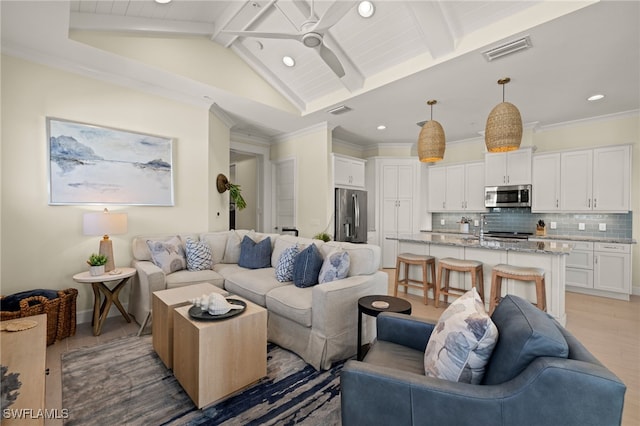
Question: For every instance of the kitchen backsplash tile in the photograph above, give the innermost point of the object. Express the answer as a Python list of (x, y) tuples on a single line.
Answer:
[(619, 225)]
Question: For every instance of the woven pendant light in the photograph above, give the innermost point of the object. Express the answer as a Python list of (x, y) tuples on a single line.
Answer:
[(504, 125), (431, 141)]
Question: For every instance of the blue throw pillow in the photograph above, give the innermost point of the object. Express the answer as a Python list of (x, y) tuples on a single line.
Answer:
[(255, 255), (306, 267), (284, 268), (335, 267)]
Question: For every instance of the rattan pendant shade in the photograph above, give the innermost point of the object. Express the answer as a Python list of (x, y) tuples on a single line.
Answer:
[(431, 142), (503, 131)]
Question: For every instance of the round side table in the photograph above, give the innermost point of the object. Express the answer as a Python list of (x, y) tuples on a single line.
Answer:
[(367, 306), (100, 288)]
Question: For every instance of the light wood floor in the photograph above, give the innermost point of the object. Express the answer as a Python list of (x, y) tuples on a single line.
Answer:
[(610, 329)]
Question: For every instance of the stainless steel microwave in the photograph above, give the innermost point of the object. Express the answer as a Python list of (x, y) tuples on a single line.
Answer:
[(507, 196)]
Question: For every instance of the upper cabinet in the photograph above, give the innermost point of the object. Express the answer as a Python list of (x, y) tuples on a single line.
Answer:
[(545, 186), (456, 188), (596, 179), (508, 168), (348, 171)]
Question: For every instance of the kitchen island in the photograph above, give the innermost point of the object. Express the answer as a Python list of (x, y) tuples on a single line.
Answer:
[(549, 256)]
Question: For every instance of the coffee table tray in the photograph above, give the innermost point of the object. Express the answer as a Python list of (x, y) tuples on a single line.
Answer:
[(197, 313)]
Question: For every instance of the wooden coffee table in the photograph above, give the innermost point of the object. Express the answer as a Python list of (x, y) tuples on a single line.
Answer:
[(163, 305), (215, 359)]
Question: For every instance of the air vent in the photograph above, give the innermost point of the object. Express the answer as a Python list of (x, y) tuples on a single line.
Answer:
[(339, 110), (507, 48)]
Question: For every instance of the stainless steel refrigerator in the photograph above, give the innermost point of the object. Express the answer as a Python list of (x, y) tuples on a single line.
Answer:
[(351, 215)]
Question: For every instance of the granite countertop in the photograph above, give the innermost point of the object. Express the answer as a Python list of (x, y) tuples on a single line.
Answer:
[(615, 240), (468, 240)]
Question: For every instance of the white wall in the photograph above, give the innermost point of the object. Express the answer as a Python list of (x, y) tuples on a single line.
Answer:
[(247, 178), (42, 245)]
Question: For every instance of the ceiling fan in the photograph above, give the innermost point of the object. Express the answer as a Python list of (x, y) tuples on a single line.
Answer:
[(311, 33)]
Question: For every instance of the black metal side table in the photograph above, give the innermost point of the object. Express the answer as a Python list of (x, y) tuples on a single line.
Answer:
[(367, 305)]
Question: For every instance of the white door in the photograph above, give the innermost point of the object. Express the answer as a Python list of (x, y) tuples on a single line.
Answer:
[(284, 195)]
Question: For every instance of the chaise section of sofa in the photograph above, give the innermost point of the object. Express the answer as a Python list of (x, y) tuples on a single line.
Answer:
[(319, 323)]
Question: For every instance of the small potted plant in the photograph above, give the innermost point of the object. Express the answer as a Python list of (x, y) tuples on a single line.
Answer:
[(96, 264), (322, 236)]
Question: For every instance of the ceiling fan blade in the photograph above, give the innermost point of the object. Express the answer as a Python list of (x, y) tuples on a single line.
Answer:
[(333, 15), (260, 34), (332, 60)]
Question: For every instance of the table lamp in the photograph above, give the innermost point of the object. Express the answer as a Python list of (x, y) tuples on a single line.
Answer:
[(105, 223)]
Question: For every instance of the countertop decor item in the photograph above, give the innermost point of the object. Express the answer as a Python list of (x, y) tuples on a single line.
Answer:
[(504, 125), (541, 228), (431, 142)]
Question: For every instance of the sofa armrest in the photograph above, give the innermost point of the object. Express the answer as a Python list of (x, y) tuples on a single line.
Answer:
[(404, 330), (335, 304), (149, 278)]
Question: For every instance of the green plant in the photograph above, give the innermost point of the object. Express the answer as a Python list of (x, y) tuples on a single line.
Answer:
[(322, 236), (236, 196), (97, 259)]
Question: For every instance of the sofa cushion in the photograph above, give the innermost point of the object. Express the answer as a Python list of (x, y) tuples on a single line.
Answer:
[(306, 267), (364, 259), (217, 242), (232, 249), (252, 284), (526, 333), (227, 269), (198, 255), (255, 255), (291, 302), (185, 277), (461, 342), (168, 255), (334, 267), (284, 267), (284, 241)]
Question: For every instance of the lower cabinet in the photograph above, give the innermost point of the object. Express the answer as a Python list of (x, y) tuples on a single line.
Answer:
[(599, 269)]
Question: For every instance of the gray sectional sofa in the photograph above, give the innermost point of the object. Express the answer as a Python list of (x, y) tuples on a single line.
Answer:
[(319, 323)]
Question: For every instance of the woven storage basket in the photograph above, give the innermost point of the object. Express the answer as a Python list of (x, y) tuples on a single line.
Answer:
[(67, 314)]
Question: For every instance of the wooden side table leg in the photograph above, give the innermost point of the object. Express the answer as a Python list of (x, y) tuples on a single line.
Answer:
[(96, 308), (116, 301)]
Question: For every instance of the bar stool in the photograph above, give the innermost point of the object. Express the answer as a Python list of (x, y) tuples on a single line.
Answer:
[(426, 262), (449, 264), (519, 273)]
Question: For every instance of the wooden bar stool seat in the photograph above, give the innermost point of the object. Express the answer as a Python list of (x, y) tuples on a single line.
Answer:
[(424, 261), (449, 264), (518, 273)]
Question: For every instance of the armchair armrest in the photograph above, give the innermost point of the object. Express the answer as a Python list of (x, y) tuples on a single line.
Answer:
[(404, 330)]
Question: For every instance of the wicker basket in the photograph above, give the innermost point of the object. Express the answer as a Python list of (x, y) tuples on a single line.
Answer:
[(61, 313)]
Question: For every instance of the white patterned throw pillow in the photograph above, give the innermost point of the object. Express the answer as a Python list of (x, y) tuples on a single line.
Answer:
[(284, 268), (199, 257), (335, 267), (462, 341), (168, 255)]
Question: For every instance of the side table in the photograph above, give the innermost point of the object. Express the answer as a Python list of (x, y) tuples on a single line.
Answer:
[(365, 306), (99, 284)]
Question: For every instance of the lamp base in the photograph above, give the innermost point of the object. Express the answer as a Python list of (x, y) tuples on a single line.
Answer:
[(106, 248)]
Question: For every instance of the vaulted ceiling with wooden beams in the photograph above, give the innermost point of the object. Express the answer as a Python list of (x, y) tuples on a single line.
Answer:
[(384, 67)]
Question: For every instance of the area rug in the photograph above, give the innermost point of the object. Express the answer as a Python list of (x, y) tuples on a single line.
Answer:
[(125, 383)]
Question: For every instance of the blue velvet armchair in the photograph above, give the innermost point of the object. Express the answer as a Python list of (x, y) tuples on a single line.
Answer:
[(538, 374)]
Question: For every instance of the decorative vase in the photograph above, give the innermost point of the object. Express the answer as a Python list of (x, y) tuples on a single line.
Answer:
[(96, 270)]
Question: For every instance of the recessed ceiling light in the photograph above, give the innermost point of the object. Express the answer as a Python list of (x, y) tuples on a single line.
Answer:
[(595, 97), (366, 9), (381, 127), (288, 61), (163, 1)]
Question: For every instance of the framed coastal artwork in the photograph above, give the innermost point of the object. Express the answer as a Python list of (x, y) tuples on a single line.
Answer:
[(91, 164)]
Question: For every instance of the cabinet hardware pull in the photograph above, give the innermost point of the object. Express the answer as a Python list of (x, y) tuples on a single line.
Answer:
[(557, 202), (595, 202)]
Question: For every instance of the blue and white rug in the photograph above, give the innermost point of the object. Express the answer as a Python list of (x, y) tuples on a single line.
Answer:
[(125, 383)]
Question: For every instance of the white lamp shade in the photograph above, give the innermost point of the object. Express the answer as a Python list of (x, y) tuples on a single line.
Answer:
[(104, 223)]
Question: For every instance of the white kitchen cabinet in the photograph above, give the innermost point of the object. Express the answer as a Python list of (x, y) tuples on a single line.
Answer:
[(508, 168), (456, 188), (596, 179), (398, 183), (599, 269), (348, 171), (545, 183), (612, 268)]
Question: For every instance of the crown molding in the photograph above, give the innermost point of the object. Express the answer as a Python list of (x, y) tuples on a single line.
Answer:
[(607, 117), (302, 132)]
